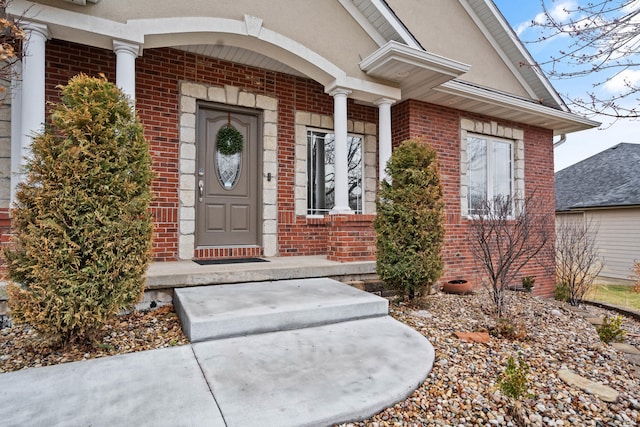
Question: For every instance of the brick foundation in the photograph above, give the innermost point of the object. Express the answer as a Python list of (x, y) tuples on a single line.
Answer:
[(351, 238)]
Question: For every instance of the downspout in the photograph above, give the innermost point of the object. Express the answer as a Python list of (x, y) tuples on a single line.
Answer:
[(562, 140)]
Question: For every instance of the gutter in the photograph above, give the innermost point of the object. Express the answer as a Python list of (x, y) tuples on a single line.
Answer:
[(562, 140)]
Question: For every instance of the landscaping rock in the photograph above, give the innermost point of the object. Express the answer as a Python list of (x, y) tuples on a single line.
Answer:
[(625, 348), (424, 314), (633, 358), (595, 321), (479, 337), (604, 392)]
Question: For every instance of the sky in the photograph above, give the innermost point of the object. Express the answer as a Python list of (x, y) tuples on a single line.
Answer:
[(579, 145)]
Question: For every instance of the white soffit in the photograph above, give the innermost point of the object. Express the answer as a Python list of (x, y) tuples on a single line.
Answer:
[(241, 56), (476, 99), (411, 68)]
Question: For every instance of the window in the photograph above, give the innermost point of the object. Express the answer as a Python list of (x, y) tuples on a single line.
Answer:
[(490, 171), (321, 176)]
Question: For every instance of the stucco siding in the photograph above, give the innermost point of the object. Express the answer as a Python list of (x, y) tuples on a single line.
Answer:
[(322, 26), (445, 28)]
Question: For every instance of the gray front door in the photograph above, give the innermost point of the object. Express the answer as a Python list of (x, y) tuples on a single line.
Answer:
[(228, 185)]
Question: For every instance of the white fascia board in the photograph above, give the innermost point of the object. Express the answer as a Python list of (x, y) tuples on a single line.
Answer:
[(497, 98), (79, 21), (365, 90), (363, 22), (393, 20), (413, 56)]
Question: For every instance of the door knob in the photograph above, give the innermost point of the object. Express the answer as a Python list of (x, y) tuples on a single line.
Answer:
[(200, 189)]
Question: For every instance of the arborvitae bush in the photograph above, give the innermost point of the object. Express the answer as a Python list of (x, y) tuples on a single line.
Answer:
[(82, 225), (409, 221)]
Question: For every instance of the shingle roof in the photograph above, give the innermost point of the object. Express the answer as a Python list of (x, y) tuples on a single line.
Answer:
[(609, 178)]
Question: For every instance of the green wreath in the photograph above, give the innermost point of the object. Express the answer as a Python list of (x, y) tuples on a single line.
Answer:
[(229, 140)]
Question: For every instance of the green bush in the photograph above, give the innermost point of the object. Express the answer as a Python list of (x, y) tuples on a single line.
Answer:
[(611, 329), (409, 220), (513, 381), (82, 225), (528, 282), (561, 292)]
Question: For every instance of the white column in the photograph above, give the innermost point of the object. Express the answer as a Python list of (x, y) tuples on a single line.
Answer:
[(341, 162), (384, 134), (33, 66), (16, 127), (126, 54), (32, 103)]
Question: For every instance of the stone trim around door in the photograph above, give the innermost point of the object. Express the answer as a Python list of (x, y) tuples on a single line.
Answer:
[(496, 130), (306, 121), (190, 94)]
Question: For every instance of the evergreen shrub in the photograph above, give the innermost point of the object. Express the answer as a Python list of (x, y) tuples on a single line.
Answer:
[(82, 227), (409, 221)]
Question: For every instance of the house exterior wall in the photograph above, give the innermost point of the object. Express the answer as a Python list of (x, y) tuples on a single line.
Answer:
[(617, 239), (441, 128), (445, 28), (159, 72), (319, 25)]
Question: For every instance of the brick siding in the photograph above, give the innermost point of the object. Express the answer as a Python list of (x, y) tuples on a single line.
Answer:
[(440, 127), (160, 70)]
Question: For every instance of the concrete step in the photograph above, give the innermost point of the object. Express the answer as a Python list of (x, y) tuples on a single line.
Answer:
[(316, 376), (214, 312)]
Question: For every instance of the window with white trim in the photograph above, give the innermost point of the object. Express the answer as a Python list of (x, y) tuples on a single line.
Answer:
[(490, 171), (321, 173)]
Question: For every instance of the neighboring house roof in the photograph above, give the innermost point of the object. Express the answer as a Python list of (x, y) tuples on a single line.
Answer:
[(607, 179)]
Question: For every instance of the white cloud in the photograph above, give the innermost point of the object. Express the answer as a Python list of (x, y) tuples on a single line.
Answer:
[(619, 83), (558, 13), (634, 5)]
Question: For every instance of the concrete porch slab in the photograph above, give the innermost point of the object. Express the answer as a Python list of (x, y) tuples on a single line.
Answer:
[(315, 376), (174, 274), (214, 312), (151, 388)]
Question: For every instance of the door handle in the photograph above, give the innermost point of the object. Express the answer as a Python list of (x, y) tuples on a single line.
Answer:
[(200, 189)]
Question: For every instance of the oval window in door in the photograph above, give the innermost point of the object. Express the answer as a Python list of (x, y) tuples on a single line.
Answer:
[(228, 169)]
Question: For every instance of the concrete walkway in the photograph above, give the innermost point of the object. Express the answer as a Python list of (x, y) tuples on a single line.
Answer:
[(318, 375)]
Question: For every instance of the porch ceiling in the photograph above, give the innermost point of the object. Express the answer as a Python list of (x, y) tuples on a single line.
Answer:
[(241, 56)]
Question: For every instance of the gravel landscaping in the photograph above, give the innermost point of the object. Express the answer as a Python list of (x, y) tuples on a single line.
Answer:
[(462, 388), (21, 347)]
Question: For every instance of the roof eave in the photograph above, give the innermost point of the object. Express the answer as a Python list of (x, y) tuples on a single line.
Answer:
[(398, 63)]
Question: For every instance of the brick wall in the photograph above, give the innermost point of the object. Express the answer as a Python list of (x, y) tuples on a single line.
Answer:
[(440, 127), (351, 238), (158, 73)]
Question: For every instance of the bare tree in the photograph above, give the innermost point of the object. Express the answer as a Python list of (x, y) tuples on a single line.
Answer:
[(577, 260), (11, 37), (604, 37), (636, 276), (509, 234)]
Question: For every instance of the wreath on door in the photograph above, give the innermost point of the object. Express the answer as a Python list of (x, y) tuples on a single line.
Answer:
[(229, 140)]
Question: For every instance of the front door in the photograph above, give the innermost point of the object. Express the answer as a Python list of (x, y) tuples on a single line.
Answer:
[(228, 181)]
